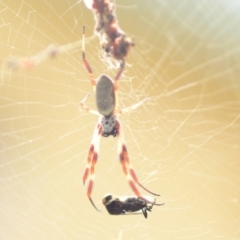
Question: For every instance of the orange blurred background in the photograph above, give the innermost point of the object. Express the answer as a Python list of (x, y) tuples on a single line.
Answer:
[(184, 143)]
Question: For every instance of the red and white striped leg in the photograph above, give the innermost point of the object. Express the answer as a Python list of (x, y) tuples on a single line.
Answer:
[(127, 167), (92, 160), (85, 62), (119, 73)]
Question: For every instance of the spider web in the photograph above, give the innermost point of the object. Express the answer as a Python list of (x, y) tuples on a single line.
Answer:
[(184, 143)]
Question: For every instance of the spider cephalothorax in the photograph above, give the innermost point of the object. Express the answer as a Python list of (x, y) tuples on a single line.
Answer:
[(108, 124)]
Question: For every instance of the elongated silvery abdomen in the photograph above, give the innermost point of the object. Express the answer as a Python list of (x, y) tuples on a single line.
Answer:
[(105, 95)]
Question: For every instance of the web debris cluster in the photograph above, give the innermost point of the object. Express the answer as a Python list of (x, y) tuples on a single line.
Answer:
[(112, 38)]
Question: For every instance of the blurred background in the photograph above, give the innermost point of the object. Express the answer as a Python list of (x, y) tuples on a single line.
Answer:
[(184, 143)]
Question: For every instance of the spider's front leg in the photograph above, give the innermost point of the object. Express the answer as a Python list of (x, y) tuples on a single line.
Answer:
[(92, 160), (128, 169)]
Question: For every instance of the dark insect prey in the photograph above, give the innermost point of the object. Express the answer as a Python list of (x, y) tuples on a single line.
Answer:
[(126, 205)]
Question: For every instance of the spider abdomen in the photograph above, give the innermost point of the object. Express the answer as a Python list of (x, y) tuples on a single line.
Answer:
[(105, 96)]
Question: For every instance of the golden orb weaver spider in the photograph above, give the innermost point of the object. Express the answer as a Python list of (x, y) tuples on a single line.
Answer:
[(108, 124)]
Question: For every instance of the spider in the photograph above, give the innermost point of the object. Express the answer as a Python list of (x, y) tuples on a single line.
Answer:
[(126, 205), (108, 124)]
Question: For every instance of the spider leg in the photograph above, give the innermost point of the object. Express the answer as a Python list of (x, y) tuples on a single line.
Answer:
[(92, 160), (133, 107), (119, 73), (85, 62), (83, 105), (128, 169)]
